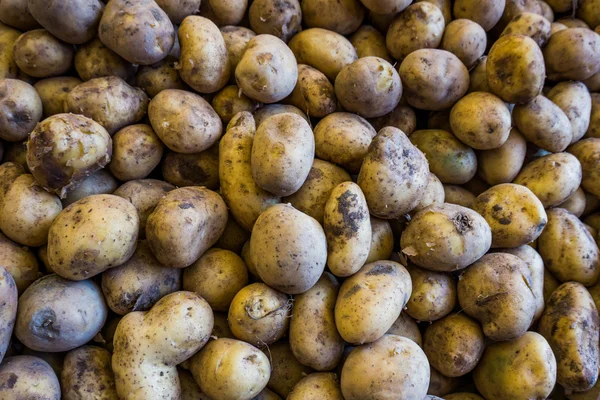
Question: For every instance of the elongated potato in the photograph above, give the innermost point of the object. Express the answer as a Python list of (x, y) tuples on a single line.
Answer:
[(575, 100), (572, 54), (502, 165)]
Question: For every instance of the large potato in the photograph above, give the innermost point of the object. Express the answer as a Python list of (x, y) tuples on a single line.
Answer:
[(371, 300), (28, 377), (280, 18), (87, 372), (8, 313), (53, 93), (20, 109), (433, 294), (587, 152), (502, 165), (394, 174), (575, 100), (486, 13), (572, 54), (95, 60), (39, 54)]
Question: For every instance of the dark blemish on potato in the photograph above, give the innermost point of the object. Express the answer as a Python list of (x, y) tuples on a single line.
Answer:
[(353, 290), (381, 270), (81, 366), (505, 221), (462, 223), (185, 206), (43, 324), (497, 208), (10, 382)]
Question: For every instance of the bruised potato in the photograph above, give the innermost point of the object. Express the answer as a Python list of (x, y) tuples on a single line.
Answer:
[(21, 108), (40, 54), (87, 371), (28, 377), (313, 92)]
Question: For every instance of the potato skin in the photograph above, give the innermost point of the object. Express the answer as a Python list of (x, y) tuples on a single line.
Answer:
[(177, 11), (39, 54), (136, 152), (8, 36), (8, 313), (406, 327), (486, 13), (21, 109), (236, 39), (28, 377), (15, 13), (317, 386), (53, 93), (587, 152), (163, 75), (87, 372), (141, 32), (360, 317), (393, 188), (570, 325), (185, 223), (313, 92), (281, 19), (95, 60), (575, 100), (398, 367), (433, 294), (344, 17), (594, 127), (196, 169), (230, 100), (100, 182), (572, 54), (20, 263), (49, 320), (458, 195), (529, 356), (465, 39), (314, 338), (286, 371), (382, 241)]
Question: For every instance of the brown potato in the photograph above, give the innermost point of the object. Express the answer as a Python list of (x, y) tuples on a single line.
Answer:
[(230, 100), (587, 11), (440, 385), (594, 127), (433, 294), (15, 13), (20, 109), (53, 93), (8, 36), (575, 204), (234, 237), (486, 13), (465, 39), (196, 169), (136, 152), (20, 263), (268, 110), (458, 195), (572, 54), (95, 60), (41, 55), (87, 372), (313, 92), (286, 371), (343, 17), (160, 76), (575, 100), (390, 7), (281, 19)]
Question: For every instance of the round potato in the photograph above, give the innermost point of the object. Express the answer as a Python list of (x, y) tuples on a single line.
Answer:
[(197, 169), (402, 117), (280, 18), (572, 54), (313, 92), (343, 17), (163, 75), (20, 263), (136, 152), (587, 152), (95, 60), (466, 40), (454, 194), (87, 372), (21, 109), (100, 182), (529, 24), (28, 377), (433, 294), (39, 54), (486, 13), (230, 101), (317, 386), (575, 100), (53, 93)]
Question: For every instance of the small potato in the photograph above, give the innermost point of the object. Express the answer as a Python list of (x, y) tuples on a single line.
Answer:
[(216, 276), (100, 182), (575, 100), (420, 26), (382, 241), (234, 237), (486, 13), (515, 69), (513, 212), (360, 317), (87, 372), (458, 195), (327, 51), (267, 72), (286, 371), (204, 61), (481, 121), (529, 24), (110, 101), (556, 27), (370, 87), (314, 338), (230, 369), (41, 55), (20, 263), (406, 327), (95, 60), (196, 169), (281, 18), (139, 283), (20, 109), (53, 93), (552, 178), (398, 368), (369, 42), (344, 139), (433, 294), (572, 54), (140, 32), (449, 159), (587, 152), (343, 17), (454, 345), (28, 377), (440, 385), (570, 325), (404, 166), (8, 313), (313, 93), (544, 124), (136, 152), (527, 363), (15, 13), (185, 223), (225, 13), (190, 129), (575, 203), (236, 40), (444, 225), (230, 100), (163, 75), (433, 79), (56, 314), (445, 6), (313, 195), (268, 110), (516, 7), (568, 249), (317, 386), (177, 11), (8, 36), (282, 153), (402, 117), (465, 39), (478, 77), (64, 149)]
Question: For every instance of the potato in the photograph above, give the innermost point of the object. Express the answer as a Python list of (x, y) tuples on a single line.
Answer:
[(343, 138), (41, 55), (434, 194), (433, 79), (572, 54), (141, 33), (397, 368), (481, 121), (56, 314), (478, 76), (20, 263), (327, 51), (221, 327), (587, 152), (225, 13), (177, 11), (344, 17), (8, 36), (216, 276), (406, 327), (21, 109), (75, 22), (392, 156), (556, 27), (440, 385), (196, 169), (230, 369), (570, 325), (282, 152), (496, 291), (189, 388), (95, 60), (100, 182), (234, 237), (15, 13), (420, 26), (465, 39), (515, 69), (575, 100), (313, 195), (27, 211), (286, 371), (360, 317), (454, 345), (28, 377), (552, 178), (185, 223), (317, 386), (110, 101), (149, 345), (433, 294), (454, 194), (160, 76), (529, 24), (230, 100), (402, 117), (369, 87), (268, 110), (8, 313), (53, 93), (236, 40), (575, 203), (587, 12), (280, 19), (139, 283), (190, 129), (136, 152), (204, 61), (450, 160), (486, 13), (503, 164), (516, 7), (87, 372), (382, 241), (65, 148), (594, 127), (527, 363)]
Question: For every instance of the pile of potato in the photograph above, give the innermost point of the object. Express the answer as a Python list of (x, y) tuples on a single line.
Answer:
[(299, 199)]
